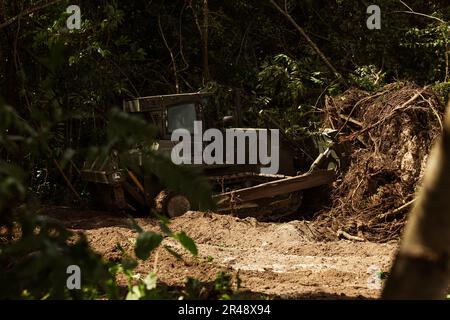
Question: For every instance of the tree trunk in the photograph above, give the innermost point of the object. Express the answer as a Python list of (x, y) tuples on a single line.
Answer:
[(421, 268), (9, 91), (205, 26)]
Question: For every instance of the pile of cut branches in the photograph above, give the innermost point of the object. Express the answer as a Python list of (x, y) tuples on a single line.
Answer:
[(391, 133)]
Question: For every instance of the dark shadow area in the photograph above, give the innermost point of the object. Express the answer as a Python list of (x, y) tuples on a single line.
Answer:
[(89, 219)]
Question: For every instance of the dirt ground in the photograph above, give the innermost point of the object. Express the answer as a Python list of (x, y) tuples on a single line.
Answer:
[(274, 259)]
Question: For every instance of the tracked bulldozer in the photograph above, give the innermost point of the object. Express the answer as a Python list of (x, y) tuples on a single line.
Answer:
[(239, 189)]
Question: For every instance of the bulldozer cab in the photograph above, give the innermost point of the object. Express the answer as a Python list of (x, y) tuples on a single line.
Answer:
[(170, 112)]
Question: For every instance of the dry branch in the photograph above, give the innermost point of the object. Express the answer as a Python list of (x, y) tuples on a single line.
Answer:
[(310, 42), (172, 57), (69, 184), (395, 212), (347, 236), (392, 113)]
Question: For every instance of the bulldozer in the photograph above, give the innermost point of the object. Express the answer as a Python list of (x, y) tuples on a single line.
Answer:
[(239, 189)]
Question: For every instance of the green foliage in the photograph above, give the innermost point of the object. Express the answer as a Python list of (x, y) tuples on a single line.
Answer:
[(280, 82), (368, 78), (443, 90), (186, 242), (34, 266), (146, 242), (145, 290), (431, 44), (224, 287), (282, 85)]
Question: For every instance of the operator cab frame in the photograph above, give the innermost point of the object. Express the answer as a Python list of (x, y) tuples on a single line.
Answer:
[(165, 111)]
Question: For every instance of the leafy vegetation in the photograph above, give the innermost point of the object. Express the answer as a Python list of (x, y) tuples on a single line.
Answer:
[(61, 90)]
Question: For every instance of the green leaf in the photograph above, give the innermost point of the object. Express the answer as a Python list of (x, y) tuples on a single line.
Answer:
[(150, 281), (176, 178), (174, 253), (134, 226), (128, 264), (134, 294), (186, 242), (165, 229), (146, 243), (162, 218)]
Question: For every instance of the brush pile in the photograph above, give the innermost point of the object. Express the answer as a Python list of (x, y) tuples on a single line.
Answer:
[(390, 134)]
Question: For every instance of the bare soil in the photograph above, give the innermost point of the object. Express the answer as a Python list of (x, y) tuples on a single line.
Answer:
[(278, 260)]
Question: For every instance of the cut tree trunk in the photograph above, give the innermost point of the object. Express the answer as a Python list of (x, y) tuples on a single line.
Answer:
[(421, 267)]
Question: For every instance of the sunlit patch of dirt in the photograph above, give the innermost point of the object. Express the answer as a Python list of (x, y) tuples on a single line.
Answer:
[(275, 259)]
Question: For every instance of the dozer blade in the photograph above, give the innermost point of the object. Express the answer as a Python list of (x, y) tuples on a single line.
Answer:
[(238, 198)]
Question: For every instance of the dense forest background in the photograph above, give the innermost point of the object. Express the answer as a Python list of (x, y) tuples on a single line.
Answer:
[(72, 78), (59, 88)]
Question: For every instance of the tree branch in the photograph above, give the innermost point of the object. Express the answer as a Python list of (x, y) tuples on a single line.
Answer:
[(309, 41), (174, 64), (422, 15), (27, 12), (445, 33)]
